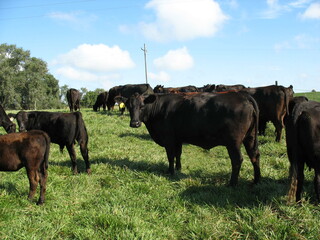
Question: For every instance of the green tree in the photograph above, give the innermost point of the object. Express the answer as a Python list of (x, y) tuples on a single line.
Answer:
[(25, 81), (90, 97)]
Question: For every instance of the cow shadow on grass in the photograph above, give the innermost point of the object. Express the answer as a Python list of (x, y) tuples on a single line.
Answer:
[(159, 169), (10, 188), (142, 136)]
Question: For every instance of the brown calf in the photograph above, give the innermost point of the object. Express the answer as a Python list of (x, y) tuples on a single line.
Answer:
[(29, 150)]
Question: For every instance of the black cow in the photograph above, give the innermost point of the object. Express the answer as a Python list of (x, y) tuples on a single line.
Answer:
[(73, 97), (29, 150), (207, 88), (126, 91), (5, 121), (273, 102), (203, 119), (224, 88), (303, 142), (101, 101), (161, 89), (63, 129)]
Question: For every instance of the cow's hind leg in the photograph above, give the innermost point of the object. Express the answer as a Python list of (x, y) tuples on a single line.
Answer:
[(33, 182), (72, 154), (300, 180), (85, 155), (317, 184), (178, 151), (254, 155), (278, 125), (43, 181), (236, 161), (170, 155)]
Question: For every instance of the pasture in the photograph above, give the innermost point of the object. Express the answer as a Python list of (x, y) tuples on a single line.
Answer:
[(130, 196)]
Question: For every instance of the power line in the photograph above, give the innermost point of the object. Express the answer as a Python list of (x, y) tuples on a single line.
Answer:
[(45, 5)]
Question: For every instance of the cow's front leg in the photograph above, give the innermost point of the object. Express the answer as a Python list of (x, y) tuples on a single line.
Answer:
[(72, 154)]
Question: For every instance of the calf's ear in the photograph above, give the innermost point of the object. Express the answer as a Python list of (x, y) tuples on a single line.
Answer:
[(149, 99)]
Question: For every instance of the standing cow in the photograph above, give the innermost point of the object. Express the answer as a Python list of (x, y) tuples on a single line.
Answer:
[(5, 121), (64, 129), (303, 143), (101, 101), (73, 98), (126, 91), (273, 102), (203, 119), (29, 150)]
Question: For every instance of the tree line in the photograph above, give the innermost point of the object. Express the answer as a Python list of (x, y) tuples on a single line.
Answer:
[(25, 83)]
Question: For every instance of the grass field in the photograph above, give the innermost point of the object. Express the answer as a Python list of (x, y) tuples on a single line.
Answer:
[(129, 196)]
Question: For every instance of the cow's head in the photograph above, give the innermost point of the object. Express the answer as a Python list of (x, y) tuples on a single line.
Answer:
[(135, 105), (23, 119), (10, 128)]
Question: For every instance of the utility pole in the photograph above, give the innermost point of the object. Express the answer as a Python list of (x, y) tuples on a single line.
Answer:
[(145, 61)]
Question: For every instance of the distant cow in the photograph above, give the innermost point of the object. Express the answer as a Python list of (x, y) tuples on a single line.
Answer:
[(126, 91), (303, 144), (207, 88), (63, 129), (161, 89), (73, 97), (205, 120), (101, 101), (5, 121), (29, 150), (273, 104), (224, 88)]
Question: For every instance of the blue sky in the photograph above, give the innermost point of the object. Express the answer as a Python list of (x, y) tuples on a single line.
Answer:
[(97, 43)]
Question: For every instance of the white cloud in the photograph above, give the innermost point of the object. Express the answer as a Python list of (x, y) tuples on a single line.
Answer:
[(100, 58), (159, 77), (312, 12), (78, 19), (301, 41), (275, 9), (183, 20), (93, 64), (176, 60)]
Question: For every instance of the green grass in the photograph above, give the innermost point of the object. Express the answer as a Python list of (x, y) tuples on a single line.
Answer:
[(130, 196)]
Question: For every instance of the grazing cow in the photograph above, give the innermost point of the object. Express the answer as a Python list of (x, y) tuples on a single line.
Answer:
[(29, 150), (161, 89), (5, 121), (63, 129), (303, 145), (224, 88), (273, 102), (73, 97), (101, 101), (127, 91), (203, 119)]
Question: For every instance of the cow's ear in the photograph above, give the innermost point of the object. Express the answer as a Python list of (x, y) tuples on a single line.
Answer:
[(149, 99)]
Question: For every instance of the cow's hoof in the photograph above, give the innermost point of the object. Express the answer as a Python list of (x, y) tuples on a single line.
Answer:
[(89, 171)]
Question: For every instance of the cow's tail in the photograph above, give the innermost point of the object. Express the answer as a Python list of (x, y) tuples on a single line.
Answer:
[(81, 130), (46, 155), (255, 122)]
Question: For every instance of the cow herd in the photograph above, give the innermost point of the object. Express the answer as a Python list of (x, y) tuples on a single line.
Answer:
[(208, 116)]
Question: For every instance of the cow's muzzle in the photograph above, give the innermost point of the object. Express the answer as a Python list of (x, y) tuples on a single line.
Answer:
[(135, 124)]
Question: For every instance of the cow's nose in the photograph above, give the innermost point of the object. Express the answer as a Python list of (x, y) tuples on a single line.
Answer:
[(135, 124)]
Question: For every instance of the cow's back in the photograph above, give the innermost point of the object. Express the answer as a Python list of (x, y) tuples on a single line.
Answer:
[(204, 119)]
